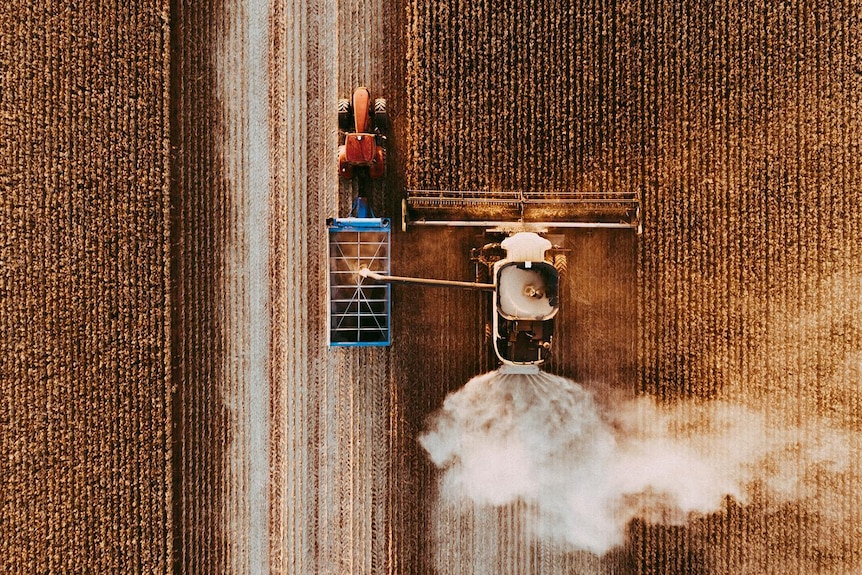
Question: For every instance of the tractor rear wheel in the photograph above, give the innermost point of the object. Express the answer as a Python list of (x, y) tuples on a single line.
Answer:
[(381, 116), (344, 115)]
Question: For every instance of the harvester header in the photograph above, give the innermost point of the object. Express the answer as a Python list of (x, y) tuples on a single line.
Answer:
[(489, 208)]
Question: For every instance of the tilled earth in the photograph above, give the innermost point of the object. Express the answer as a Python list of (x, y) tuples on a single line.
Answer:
[(84, 261)]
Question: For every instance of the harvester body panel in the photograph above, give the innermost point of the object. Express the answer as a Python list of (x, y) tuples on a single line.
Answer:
[(525, 301)]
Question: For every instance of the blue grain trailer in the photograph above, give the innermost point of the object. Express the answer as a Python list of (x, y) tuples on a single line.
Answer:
[(359, 310)]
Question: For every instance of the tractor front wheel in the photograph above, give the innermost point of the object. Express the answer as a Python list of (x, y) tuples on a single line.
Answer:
[(381, 116), (344, 115)]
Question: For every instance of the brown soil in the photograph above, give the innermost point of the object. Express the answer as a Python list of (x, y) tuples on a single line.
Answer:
[(84, 267)]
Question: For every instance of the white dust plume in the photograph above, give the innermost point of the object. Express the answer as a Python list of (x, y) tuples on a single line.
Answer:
[(585, 469)]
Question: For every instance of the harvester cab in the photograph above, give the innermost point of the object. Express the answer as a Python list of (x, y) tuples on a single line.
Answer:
[(525, 300)]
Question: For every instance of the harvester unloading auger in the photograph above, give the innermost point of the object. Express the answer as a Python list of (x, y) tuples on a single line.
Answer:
[(524, 268)]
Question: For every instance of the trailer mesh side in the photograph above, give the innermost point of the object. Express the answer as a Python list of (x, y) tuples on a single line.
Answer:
[(358, 308)]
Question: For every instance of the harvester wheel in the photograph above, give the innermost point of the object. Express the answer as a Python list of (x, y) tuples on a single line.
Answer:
[(344, 115), (561, 263), (381, 116)]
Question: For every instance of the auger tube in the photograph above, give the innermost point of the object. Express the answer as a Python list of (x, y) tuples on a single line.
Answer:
[(366, 273)]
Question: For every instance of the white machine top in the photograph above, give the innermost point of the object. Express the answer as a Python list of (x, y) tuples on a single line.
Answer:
[(526, 247)]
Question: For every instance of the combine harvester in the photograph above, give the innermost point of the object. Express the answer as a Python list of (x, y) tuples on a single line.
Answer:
[(524, 268)]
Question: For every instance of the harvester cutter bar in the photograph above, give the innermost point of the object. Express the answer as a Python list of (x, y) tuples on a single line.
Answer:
[(564, 209)]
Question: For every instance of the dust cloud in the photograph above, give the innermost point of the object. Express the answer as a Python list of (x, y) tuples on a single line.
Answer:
[(585, 464)]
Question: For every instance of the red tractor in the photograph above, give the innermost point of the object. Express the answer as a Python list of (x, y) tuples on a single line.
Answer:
[(363, 128)]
